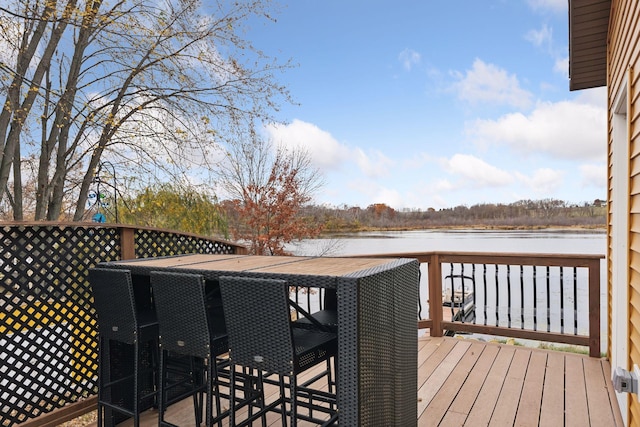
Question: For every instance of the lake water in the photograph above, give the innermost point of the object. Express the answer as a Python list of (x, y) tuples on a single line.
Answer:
[(542, 241), (553, 241)]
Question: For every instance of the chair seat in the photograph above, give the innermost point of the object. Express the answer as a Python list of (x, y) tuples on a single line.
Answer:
[(328, 318), (220, 343), (313, 347)]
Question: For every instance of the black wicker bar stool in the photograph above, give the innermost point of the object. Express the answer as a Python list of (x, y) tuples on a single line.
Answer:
[(129, 386), (261, 337), (186, 328)]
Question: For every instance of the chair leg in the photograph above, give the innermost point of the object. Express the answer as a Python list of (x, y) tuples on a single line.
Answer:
[(208, 390), (155, 369), (250, 386), (330, 384), (293, 386), (262, 402), (106, 384), (162, 392), (101, 360), (232, 394), (215, 388), (136, 384), (195, 371), (253, 384)]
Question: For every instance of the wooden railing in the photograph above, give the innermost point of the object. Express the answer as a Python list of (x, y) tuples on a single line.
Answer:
[(543, 297)]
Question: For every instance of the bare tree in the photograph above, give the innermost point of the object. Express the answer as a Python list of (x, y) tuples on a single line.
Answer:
[(151, 85)]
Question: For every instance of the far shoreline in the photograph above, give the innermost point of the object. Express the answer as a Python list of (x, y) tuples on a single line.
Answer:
[(559, 228)]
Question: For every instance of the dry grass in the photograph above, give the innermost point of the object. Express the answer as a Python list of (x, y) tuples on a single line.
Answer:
[(82, 420)]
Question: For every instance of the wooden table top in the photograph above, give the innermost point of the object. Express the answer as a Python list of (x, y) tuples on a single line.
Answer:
[(318, 266)]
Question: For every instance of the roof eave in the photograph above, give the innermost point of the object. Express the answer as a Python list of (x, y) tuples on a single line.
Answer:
[(588, 33)]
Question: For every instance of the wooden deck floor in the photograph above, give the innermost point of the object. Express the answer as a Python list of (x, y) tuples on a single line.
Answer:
[(470, 383), (463, 382)]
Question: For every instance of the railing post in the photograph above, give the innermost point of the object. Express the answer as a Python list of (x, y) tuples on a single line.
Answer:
[(435, 295), (241, 250), (594, 308), (127, 243)]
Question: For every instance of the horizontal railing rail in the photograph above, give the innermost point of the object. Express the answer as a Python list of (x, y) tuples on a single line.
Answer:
[(544, 297)]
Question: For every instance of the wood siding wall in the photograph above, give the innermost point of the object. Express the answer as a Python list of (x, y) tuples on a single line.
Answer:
[(623, 65)]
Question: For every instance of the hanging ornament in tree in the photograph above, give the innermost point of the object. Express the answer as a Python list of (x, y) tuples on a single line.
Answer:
[(99, 217)]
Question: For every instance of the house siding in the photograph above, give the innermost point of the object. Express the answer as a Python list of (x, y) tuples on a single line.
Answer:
[(624, 66)]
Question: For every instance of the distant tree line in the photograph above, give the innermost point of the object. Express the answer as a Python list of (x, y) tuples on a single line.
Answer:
[(520, 214)]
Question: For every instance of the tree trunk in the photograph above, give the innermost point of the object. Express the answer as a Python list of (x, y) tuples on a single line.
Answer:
[(18, 208), (19, 116), (26, 52), (62, 124), (42, 181)]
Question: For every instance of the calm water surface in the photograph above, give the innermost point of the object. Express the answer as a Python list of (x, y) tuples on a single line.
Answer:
[(542, 241)]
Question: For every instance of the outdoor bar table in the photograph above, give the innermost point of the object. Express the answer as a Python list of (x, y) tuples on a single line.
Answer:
[(377, 300)]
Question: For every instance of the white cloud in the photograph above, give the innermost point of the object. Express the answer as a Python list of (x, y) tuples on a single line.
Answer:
[(561, 66), (552, 5), (487, 83), (596, 97), (371, 192), (475, 172), (409, 58), (443, 185), (540, 38), (325, 151), (544, 182), (416, 161), (594, 175), (374, 165), (390, 197), (566, 129)]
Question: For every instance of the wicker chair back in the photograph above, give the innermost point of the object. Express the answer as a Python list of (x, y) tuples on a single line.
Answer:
[(181, 311), (258, 323), (114, 302)]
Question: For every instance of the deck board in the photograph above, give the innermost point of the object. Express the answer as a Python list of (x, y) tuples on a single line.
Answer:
[(597, 394), (576, 402), (530, 402), (432, 386), (434, 360), (425, 349), (506, 408), (552, 410), (467, 382), (441, 402), (484, 405), (468, 394)]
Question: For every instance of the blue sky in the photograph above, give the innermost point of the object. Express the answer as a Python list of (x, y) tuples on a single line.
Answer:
[(434, 104)]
